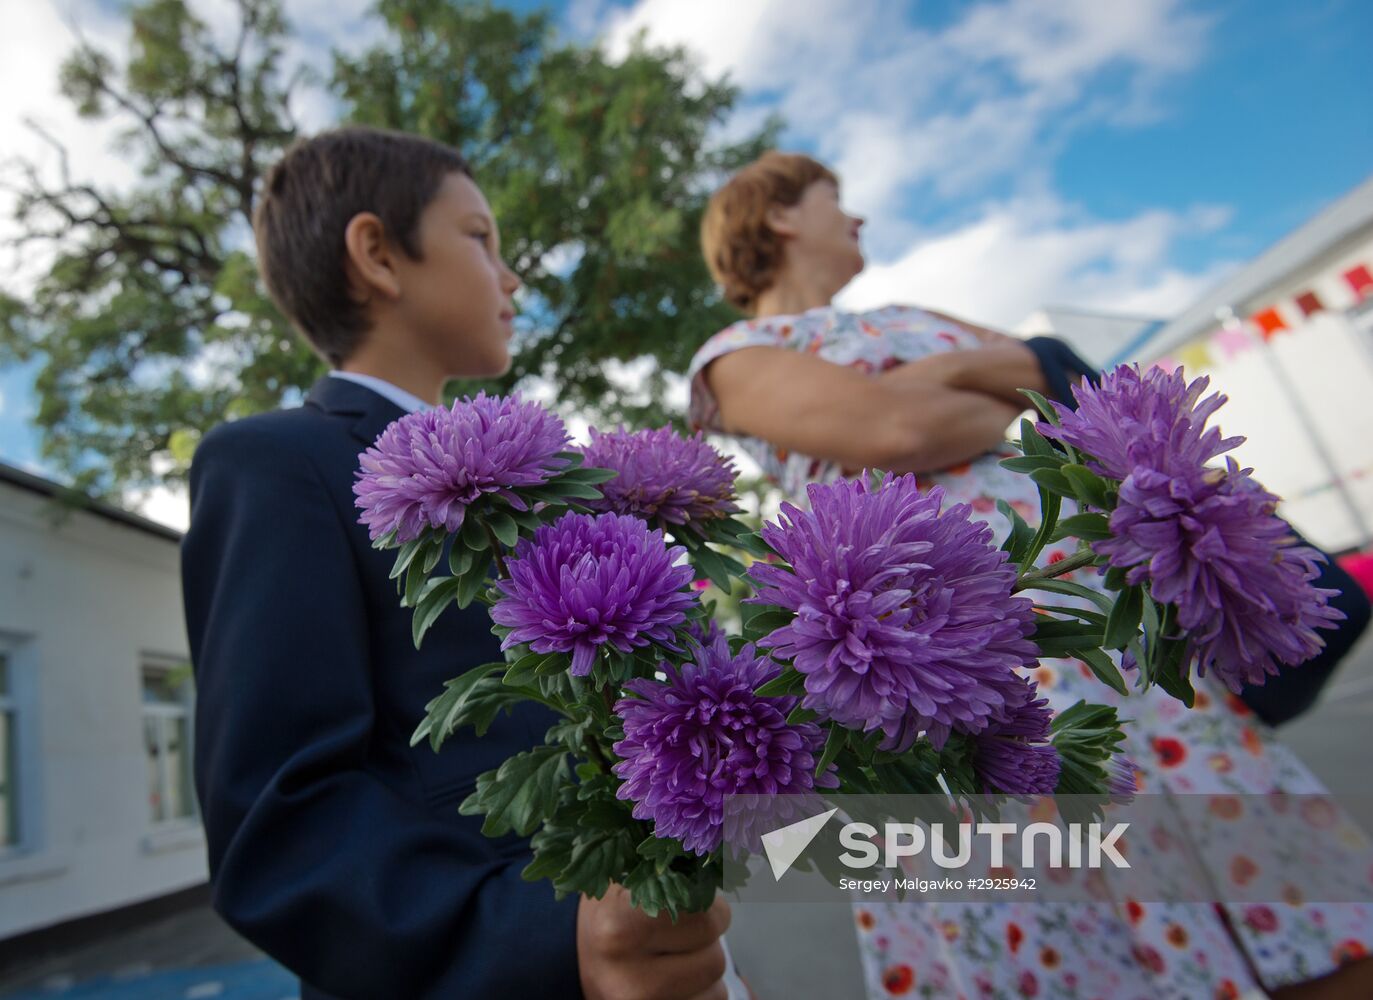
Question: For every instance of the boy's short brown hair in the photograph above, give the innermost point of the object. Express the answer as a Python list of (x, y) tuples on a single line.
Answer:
[(307, 201), (741, 250)]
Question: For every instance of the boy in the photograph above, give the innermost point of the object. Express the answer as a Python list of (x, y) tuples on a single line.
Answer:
[(333, 845)]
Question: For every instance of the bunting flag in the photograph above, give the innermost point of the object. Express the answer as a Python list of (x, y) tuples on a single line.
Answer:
[(1194, 357), (1232, 340), (1360, 280), (1235, 339), (1309, 303), (1269, 322)]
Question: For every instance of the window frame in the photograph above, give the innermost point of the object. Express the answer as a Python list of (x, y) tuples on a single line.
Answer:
[(163, 715)]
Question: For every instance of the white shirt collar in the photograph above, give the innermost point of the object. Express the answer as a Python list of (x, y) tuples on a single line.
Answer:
[(407, 401)]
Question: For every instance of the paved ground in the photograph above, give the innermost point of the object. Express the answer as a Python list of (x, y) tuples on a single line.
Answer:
[(785, 951)]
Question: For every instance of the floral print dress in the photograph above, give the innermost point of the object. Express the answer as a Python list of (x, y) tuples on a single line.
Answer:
[(1121, 949)]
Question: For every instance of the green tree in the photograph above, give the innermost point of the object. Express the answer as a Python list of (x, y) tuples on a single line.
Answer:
[(151, 325)]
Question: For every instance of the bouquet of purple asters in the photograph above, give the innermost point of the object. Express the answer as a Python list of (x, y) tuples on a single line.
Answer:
[(884, 647)]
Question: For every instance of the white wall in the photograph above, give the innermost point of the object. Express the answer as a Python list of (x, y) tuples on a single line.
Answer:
[(1328, 360), (86, 599)]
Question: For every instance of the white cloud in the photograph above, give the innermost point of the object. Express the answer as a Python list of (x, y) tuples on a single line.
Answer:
[(31, 53), (982, 104), (171, 507), (1022, 254)]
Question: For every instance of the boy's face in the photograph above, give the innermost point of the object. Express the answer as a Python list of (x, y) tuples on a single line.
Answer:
[(456, 299)]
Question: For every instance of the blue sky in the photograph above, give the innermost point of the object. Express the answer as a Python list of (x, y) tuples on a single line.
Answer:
[(1008, 153)]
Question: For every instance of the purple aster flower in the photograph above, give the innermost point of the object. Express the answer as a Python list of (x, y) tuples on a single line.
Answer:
[(1211, 546), (682, 481), (905, 619), (1206, 540), (1153, 419), (1013, 754), (704, 631), (1122, 779), (704, 735), (583, 582), (428, 467)]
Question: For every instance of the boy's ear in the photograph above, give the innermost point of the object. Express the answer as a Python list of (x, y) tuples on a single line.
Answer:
[(781, 219), (370, 260)]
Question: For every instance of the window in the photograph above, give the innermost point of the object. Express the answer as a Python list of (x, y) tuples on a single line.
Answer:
[(167, 741), (9, 757)]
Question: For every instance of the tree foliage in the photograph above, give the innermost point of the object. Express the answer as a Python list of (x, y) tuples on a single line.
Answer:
[(151, 324)]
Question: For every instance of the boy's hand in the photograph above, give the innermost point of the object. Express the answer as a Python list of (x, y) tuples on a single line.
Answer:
[(624, 954)]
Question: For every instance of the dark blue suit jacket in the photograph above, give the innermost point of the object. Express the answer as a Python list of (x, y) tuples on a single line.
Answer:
[(334, 846)]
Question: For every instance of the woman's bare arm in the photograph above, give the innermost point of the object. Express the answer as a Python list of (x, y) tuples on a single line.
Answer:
[(806, 404), (999, 369)]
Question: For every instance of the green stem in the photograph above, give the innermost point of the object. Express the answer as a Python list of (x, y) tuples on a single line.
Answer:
[(496, 552), (1061, 568), (593, 750)]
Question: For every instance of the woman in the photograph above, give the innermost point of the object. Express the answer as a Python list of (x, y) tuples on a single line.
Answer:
[(815, 392)]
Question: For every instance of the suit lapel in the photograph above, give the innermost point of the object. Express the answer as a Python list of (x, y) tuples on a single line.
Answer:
[(368, 413)]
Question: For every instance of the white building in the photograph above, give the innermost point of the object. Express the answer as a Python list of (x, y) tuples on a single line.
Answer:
[(96, 805), (1099, 337), (1289, 339)]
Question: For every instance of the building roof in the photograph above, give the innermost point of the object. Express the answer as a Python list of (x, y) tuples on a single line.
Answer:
[(56, 491), (1098, 336), (1341, 222)]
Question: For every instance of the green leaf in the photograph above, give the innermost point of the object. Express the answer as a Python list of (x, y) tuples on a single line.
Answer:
[(836, 740), (521, 793), (406, 555), (474, 535), (527, 520), (524, 671), (1095, 617), (432, 555), (764, 619), (800, 716), (1032, 463), (1058, 628), (571, 488), (1049, 506), (1054, 647), (1033, 444), (460, 559), (474, 579), (1174, 672), (1122, 625), (415, 578), (1104, 668), (1020, 536), (1068, 588), (789, 682), (716, 567), (1088, 486), (587, 474), (1054, 481), (446, 712), (436, 596), (504, 528), (1042, 405), (1088, 527), (596, 860)]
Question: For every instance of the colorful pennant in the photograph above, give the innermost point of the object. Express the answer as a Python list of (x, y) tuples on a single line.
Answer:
[(1232, 340), (1235, 339), (1360, 280), (1269, 322)]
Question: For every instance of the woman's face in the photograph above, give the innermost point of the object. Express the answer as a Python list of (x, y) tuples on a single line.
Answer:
[(820, 233)]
